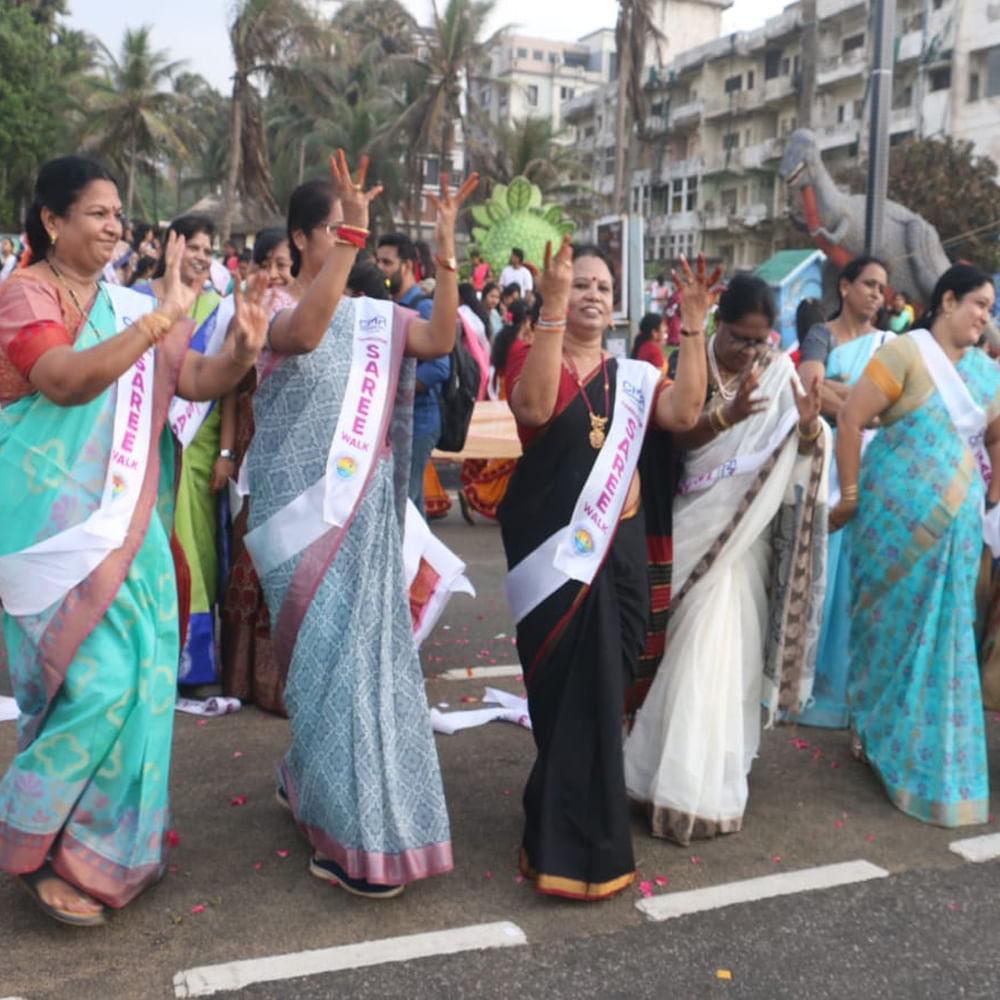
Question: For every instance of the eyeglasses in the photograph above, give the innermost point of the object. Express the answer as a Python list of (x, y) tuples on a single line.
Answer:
[(330, 228), (753, 343)]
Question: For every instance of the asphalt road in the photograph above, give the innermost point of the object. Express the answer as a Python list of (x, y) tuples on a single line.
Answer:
[(930, 929)]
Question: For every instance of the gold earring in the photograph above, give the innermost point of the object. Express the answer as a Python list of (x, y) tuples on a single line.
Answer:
[(52, 237)]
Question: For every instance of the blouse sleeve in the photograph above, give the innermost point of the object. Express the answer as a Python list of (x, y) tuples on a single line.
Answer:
[(31, 323), (891, 364), (817, 344)]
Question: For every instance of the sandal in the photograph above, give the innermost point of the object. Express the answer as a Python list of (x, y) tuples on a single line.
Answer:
[(28, 881), (330, 871), (465, 507)]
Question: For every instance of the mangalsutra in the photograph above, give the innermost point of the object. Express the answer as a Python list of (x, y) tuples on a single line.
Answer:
[(598, 423), (724, 391), (73, 297)]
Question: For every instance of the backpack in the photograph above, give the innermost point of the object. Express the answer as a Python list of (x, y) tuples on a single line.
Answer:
[(458, 393)]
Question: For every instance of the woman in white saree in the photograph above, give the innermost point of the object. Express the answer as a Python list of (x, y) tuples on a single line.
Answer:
[(749, 528)]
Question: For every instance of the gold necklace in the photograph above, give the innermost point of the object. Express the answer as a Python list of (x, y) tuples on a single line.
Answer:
[(597, 422), (73, 297)]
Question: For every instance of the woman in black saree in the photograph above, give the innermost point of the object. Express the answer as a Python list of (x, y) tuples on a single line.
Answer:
[(574, 535)]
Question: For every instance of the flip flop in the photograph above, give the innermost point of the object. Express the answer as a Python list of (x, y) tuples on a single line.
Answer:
[(28, 881)]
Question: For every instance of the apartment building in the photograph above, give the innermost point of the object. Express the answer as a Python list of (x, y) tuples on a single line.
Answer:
[(704, 173)]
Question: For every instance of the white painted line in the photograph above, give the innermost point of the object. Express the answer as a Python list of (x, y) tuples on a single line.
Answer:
[(465, 673), (679, 904), (209, 979), (977, 849)]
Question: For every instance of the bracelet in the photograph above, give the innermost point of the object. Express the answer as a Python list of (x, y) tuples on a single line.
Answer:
[(354, 229), (849, 493), (711, 421), (691, 333), (807, 438), (446, 263), (154, 325), (723, 422), (338, 242), (353, 236), (227, 453)]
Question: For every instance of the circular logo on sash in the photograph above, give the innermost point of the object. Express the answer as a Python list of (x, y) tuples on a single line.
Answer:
[(117, 485), (346, 466), (583, 542)]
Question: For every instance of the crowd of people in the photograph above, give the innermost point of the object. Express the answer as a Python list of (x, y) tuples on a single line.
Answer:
[(212, 466)]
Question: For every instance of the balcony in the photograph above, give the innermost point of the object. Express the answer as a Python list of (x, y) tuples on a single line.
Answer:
[(831, 71), (679, 222), (754, 157), (680, 168), (751, 215), (903, 120), (909, 47), (716, 220), (778, 88), (831, 8), (686, 115), (739, 102), (841, 134)]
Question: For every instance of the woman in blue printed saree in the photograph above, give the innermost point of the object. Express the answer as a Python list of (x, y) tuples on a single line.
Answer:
[(332, 412), (90, 612), (207, 435), (836, 353), (916, 524)]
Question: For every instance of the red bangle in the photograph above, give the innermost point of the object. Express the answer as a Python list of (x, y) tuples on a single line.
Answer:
[(446, 265), (350, 234)]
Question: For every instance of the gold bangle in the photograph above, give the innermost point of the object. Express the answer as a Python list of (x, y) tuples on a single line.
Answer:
[(711, 421), (338, 242), (807, 438), (723, 422), (849, 492), (154, 325)]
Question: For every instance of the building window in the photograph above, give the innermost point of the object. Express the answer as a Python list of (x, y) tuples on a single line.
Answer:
[(772, 64), (588, 132), (538, 55), (734, 83), (432, 171), (566, 93), (731, 141), (750, 79), (522, 53), (485, 97), (692, 195), (993, 71), (786, 66), (940, 78), (973, 86), (532, 93), (853, 42)]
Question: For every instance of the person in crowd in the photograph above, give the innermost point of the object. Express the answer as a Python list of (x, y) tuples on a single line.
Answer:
[(515, 273), (574, 536), (833, 355), (659, 291), (476, 325), (484, 480), (397, 260), (648, 345), (208, 438), (249, 670), (481, 272), (750, 509), (491, 303), (331, 560), (243, 264), (90, 625), (8, 259), (230, 256), (914, 508), (142, 273), (425, 269), (901, 315), (144, 240)]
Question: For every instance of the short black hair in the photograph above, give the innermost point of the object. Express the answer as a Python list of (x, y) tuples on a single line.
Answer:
[(518, 253), (406, 249), (745, 294)]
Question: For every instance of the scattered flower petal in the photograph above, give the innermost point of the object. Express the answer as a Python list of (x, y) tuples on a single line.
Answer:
[(953, 906), (238, 800), (282, 852), (487, 874), (799, 744), (775, 860), (834, 764), (660, 881), (468, 699), (171, 838), (645, 887), (723, 974), (518, 878), (198, 909), (838, 823), (172, 869), (257, 865), (202, 722), (695, 859), (869, 838), (237, 753)]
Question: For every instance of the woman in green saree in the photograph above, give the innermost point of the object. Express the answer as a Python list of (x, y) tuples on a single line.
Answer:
[(89, 626)]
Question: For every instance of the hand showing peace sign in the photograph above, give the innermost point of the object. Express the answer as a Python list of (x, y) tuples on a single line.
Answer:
[(446, 205), (353, 196), (698, 292)]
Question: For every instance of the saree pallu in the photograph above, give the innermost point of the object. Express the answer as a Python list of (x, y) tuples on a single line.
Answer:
[(914, 548), (828, 708), (95, 674), (362, 773), (249, 667), (578, 649), (748, 578), (484, 483)]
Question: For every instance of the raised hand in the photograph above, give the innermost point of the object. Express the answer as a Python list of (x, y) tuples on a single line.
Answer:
[(353, 196), (745, 403), (250, 319), (177, 297), (556, 279), (446, 206), (808, 403), (698, 292)]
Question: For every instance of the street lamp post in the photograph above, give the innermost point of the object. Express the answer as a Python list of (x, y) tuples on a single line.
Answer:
[(884, 19)]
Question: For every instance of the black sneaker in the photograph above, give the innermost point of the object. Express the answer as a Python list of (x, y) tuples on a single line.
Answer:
[(282, 798), (330, 871)]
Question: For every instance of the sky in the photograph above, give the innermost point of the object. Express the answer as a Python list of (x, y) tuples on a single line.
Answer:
[(195, 30)]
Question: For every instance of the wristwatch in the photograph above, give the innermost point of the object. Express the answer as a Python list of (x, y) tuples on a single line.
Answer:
[(227, 453)]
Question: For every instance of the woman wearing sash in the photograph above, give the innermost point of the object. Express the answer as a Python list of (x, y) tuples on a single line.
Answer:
[(90, 612), (207, 436), (749, 530), (914, 507), (328, 470), (574, 534), (250, 671), (835, 354)]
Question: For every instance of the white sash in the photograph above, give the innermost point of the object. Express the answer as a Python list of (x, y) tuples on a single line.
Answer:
[(741, 465), (576, 551), (968, 419), (42, 574), (186, 415), (330, 501)]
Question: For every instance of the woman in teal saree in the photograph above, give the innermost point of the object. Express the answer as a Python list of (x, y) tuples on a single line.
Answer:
[(89, 627), (916, 505)]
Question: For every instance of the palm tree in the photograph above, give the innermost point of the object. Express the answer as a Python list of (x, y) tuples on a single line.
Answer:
[(131, 116), (265, 35), (635, 30), (430, 98), (206, 134)]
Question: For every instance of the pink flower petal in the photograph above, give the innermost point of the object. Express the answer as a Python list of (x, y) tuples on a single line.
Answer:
[(282, 852), (238, 800), (171, 838), (487, 874), (799, 744), (695, 859), (198, 909), (645, 886), (237, 754), (660, 881), (202, 722), (257, 865), (869, 838), (838, 823), (518, 878), (776, 860), (172, 869), (834, 764)]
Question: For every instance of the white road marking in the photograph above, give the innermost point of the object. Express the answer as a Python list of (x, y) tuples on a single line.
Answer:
[(465, 673), (977, 849), (209, 979), (679, 904)]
